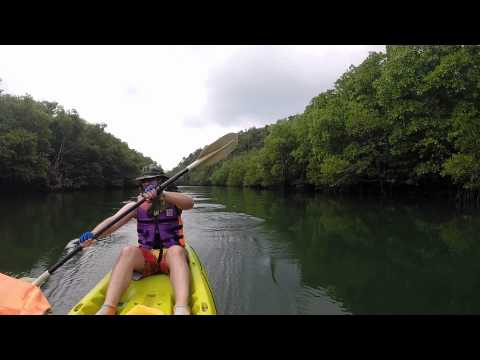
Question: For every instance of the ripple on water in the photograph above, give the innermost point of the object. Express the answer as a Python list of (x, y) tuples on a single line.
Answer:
[(317, 301), (224, 221), (207, 206), (200, 198)]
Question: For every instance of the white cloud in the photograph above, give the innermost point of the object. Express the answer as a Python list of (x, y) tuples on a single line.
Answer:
[(167, 101)]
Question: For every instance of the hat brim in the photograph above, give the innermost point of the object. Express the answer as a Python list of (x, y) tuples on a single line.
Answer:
[(145, 177)]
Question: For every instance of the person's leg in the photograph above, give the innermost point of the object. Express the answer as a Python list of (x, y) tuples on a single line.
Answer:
[(130, 259), (179, 275)]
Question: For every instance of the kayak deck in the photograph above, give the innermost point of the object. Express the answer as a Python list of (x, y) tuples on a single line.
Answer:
[(154, 294)]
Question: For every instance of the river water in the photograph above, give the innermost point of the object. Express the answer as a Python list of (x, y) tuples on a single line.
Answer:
[(269, 252)]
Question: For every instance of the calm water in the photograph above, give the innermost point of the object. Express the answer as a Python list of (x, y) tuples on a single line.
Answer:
[(269, 252)]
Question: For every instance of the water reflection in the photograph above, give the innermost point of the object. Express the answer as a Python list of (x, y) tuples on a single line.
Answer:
[(269, 252), (371, 257)]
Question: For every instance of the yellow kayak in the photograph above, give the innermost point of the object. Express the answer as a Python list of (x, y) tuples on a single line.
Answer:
[(153, 295)]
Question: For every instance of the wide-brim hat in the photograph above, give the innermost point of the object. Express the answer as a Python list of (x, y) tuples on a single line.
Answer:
[(152, 174)]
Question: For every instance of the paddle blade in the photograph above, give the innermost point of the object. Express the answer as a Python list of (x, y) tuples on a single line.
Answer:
[(219, 150), (18, 297)]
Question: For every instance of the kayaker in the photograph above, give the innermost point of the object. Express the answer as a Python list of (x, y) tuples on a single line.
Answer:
[(161, 247)]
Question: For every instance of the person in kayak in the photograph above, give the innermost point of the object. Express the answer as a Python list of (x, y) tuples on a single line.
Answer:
[(161, 248)]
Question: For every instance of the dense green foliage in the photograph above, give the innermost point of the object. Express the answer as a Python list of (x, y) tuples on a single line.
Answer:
[(409, 117), (43, 146)]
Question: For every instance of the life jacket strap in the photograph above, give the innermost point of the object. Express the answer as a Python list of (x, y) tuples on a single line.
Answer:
[(153, 221)]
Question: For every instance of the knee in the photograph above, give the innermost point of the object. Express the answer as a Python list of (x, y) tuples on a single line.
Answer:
[(177, 252), (128, 252)]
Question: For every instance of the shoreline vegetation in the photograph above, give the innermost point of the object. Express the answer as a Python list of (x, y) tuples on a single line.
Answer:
[(406, 121), (45, 148)]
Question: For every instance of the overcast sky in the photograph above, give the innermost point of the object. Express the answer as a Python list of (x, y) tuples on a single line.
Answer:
[(168, 101)]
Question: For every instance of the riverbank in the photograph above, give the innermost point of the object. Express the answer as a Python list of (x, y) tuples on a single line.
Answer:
[(451, 196), (406, 117)]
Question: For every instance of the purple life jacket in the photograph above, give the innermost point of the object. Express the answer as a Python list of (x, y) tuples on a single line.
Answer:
[(161, 231)]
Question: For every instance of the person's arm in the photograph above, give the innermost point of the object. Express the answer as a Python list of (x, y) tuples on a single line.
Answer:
[(119, 224), (86, 238), (180, 200)]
